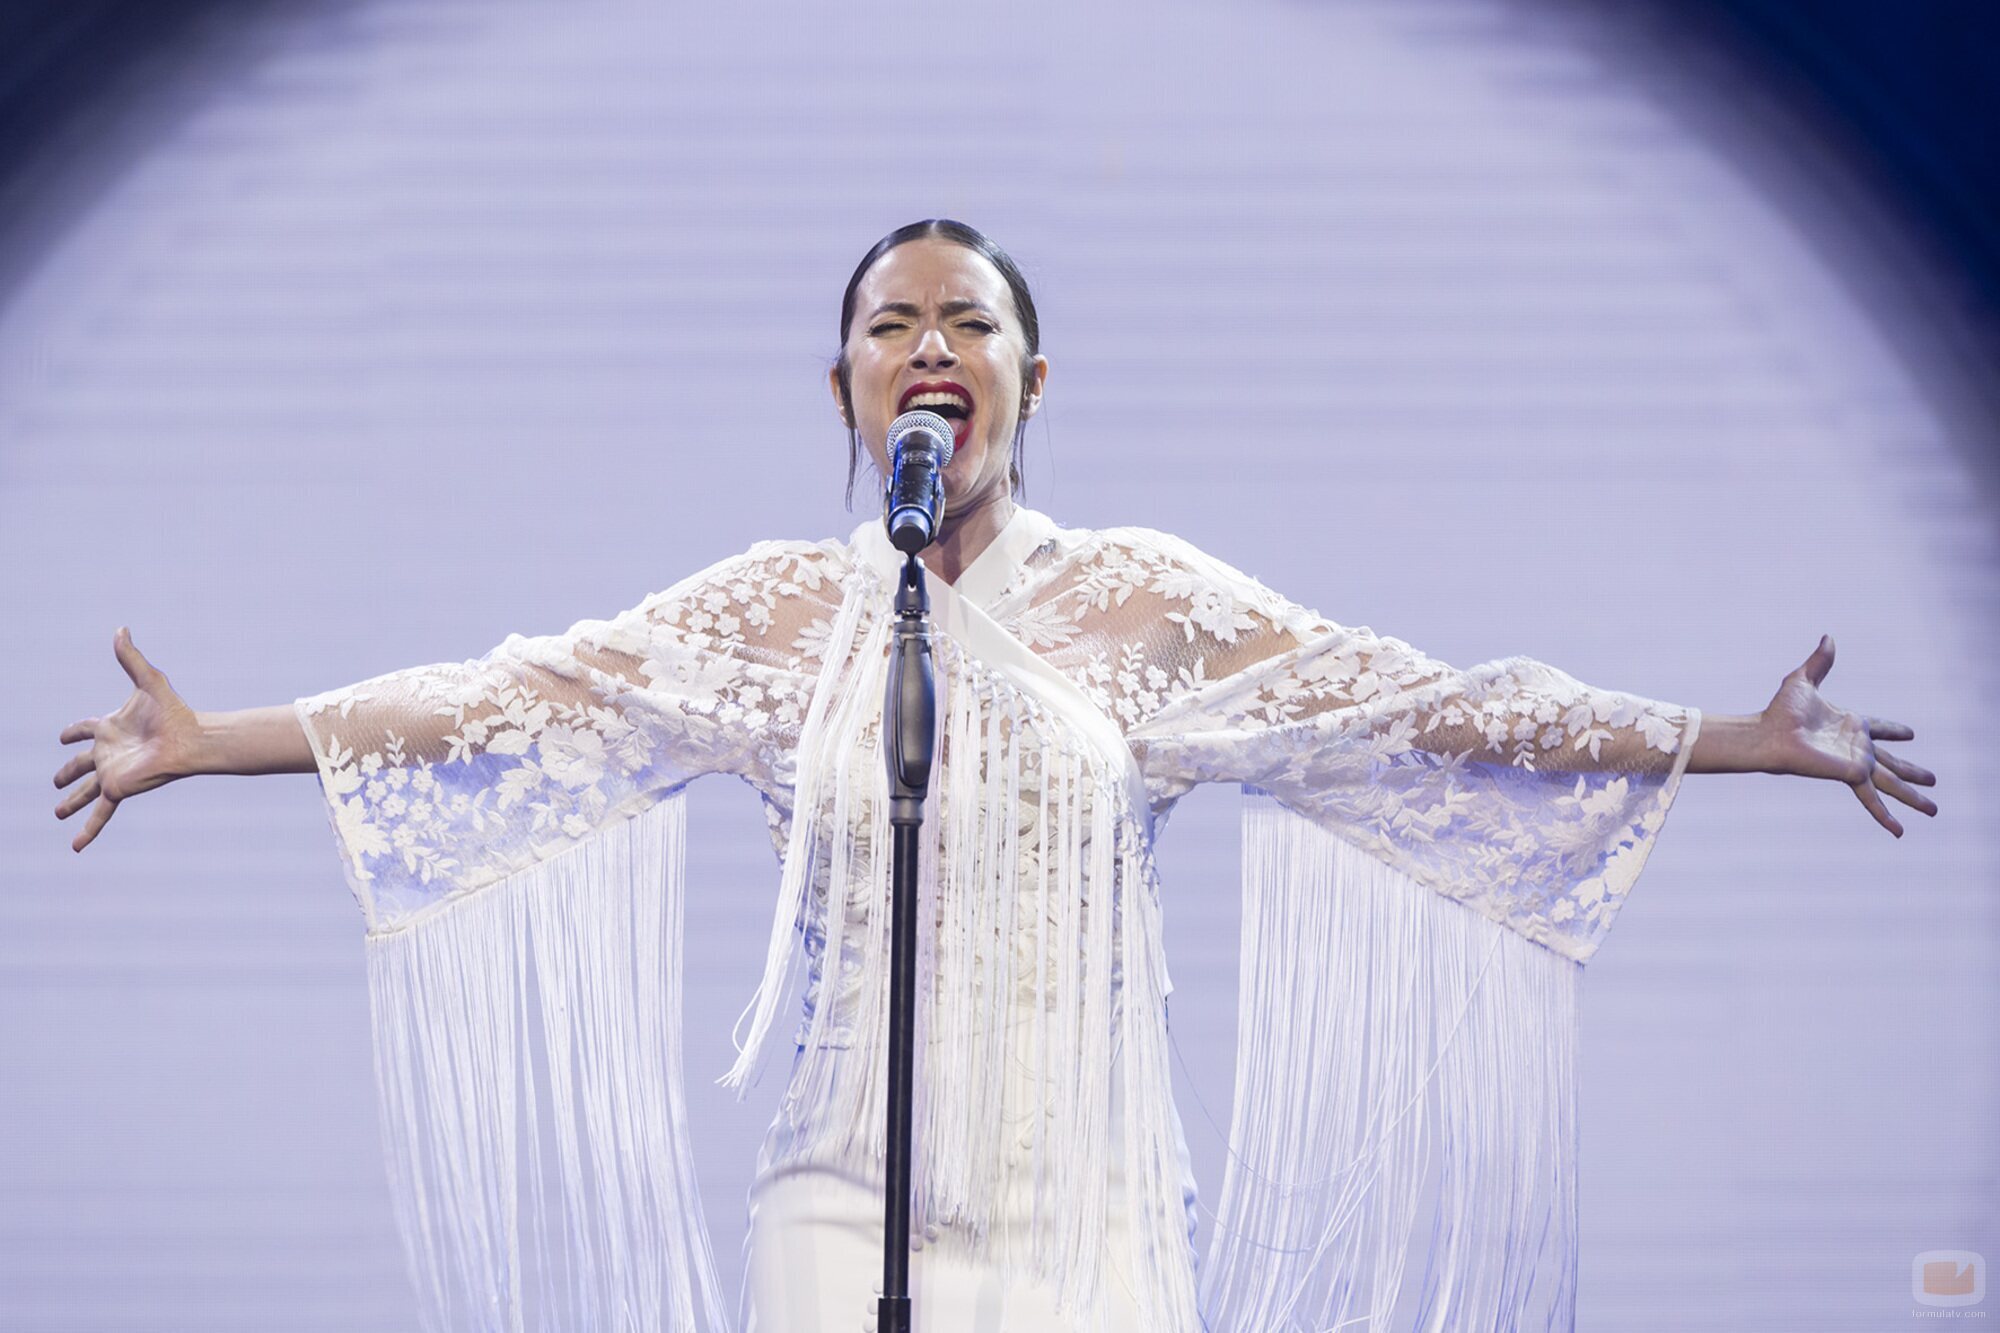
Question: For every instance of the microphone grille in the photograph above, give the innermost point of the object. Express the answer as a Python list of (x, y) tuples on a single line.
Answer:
[(926, 421)]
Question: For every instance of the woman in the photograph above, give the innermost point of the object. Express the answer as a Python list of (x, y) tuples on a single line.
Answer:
[(1438, 853)]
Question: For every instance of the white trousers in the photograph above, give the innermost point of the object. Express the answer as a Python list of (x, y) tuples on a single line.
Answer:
[(815, 1266), (813, 1258)]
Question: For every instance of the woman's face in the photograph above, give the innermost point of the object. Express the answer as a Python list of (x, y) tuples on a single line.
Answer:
[(934, 327)]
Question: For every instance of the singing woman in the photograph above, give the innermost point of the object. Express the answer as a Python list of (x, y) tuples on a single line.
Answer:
[(1431, 855)]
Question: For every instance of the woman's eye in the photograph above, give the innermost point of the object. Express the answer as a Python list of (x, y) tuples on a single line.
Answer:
[(889, 326)]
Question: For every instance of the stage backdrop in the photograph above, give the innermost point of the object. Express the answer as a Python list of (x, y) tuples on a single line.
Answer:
[(401, 326)]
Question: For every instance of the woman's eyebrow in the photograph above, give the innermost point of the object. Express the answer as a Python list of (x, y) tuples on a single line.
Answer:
[(911, 309)]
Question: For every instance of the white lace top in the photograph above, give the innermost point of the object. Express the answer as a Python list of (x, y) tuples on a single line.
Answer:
[(1088, 680)]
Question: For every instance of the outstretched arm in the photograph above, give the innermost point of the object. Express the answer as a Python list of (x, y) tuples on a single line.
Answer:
[(154, 738), (1801, 734), (1508, 786), (705, 677)]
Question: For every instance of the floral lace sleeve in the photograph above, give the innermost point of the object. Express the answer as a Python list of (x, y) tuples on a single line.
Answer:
[(445, 777), (1510, 784)]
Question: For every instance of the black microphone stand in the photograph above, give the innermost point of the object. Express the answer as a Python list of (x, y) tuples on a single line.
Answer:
[(909, 719)]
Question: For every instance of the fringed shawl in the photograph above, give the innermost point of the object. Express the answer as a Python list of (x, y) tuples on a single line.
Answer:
[(1430, 855), (1037, 876)]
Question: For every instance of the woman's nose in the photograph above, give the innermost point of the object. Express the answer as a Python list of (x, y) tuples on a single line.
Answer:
[(932, 350)]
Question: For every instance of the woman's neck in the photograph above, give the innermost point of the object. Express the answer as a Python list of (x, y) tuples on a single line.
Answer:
[(965, 533)]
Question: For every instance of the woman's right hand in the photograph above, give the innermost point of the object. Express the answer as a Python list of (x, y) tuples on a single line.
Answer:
[(147, 743)]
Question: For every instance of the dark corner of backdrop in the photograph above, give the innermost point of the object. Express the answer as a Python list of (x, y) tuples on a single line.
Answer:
[(1908, 89)]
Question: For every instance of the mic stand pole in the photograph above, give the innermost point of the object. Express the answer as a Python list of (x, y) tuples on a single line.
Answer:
[(909, 717)]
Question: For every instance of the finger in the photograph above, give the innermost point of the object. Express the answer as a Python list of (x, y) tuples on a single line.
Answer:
[(1877, 809), (1903, 768), (1819, 661), (1886, 781), (78, 799), (77, 731), (99, 816), (142, 672), (77, 766), (1881, 729)]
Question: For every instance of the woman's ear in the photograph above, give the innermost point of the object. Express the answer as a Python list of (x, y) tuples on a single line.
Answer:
[(1035, 376), (839, 397)]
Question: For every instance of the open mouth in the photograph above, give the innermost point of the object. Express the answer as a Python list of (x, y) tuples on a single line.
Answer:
[(947, 398)]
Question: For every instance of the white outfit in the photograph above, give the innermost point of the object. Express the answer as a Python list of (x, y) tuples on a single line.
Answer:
[(1431, 855)]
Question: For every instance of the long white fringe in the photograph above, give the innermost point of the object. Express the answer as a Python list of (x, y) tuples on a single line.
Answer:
[(1369, 1006), (1365, 998), (1030, 870), (593, 937)]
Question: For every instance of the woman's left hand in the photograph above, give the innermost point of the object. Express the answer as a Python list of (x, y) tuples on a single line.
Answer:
[(1810, 737)]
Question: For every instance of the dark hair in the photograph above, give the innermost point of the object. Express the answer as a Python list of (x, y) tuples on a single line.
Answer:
[(1024, 310)]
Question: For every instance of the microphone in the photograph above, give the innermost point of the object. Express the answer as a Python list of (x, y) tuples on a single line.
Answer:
[(920, 444)]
